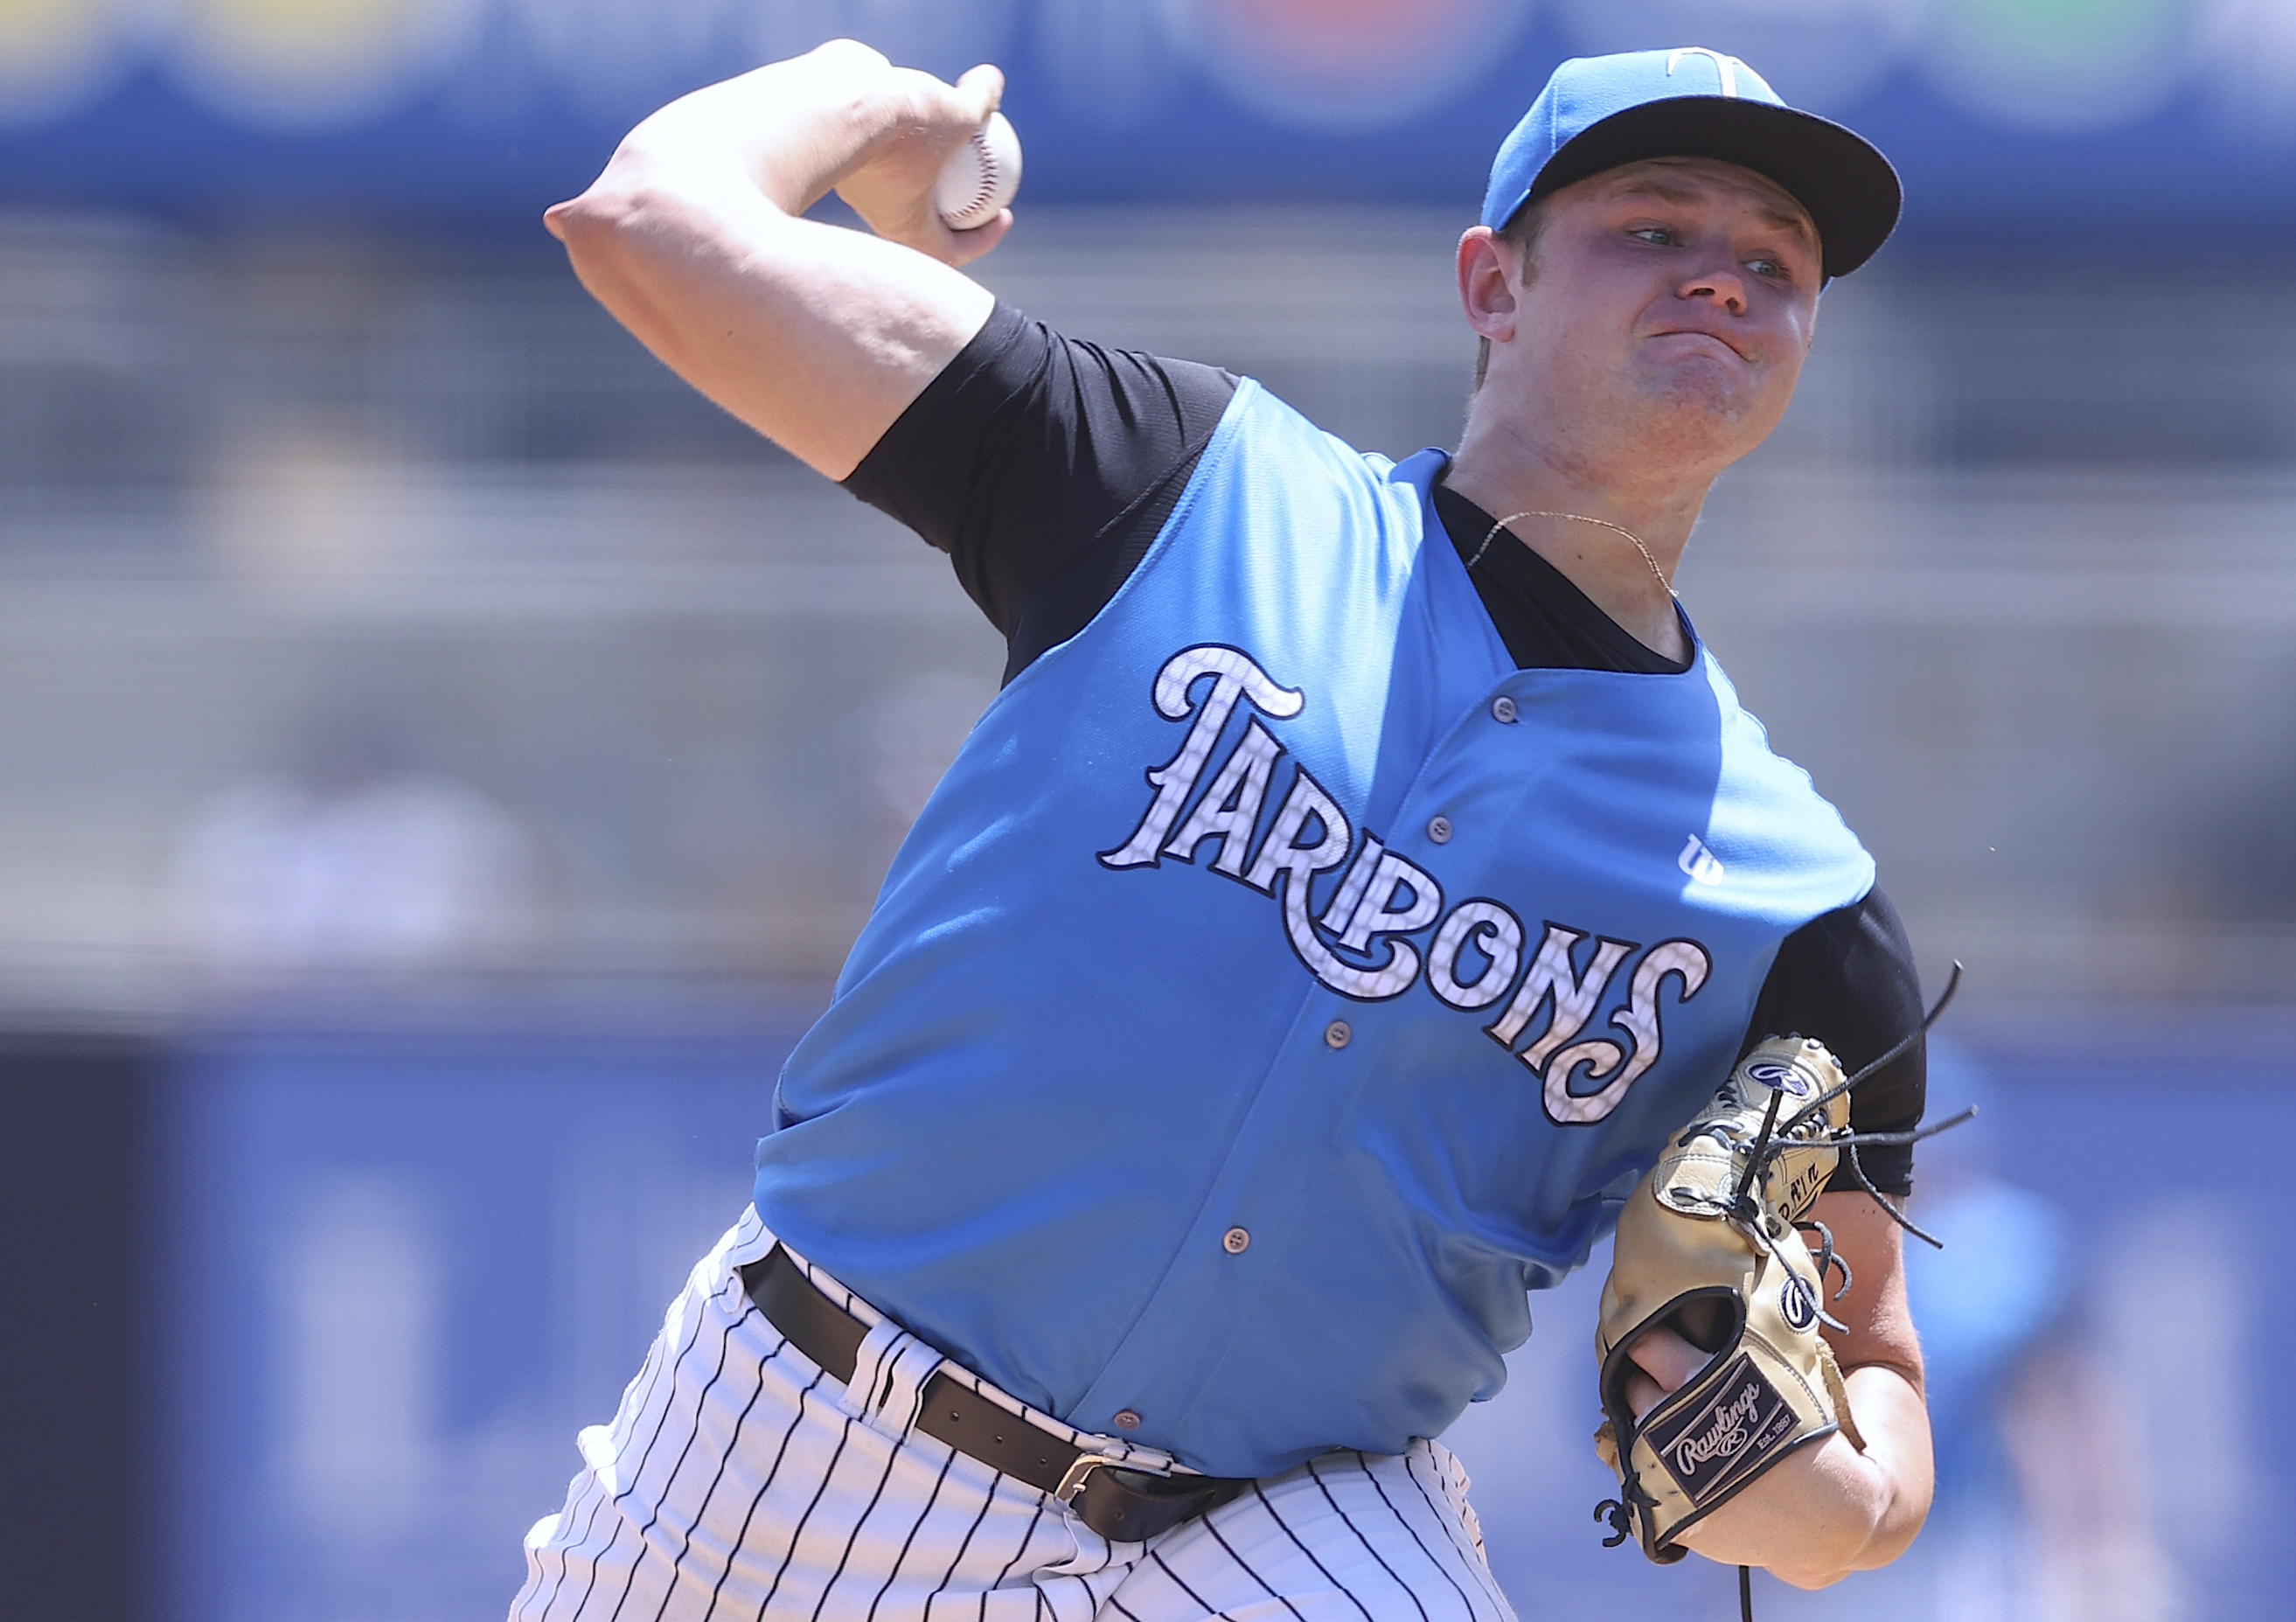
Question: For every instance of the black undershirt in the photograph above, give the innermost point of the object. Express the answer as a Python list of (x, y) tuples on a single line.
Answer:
[(1045, 467), (1546, 622)]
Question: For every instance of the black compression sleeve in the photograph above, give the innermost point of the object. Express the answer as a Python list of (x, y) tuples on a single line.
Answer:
[(1044, 466), (1848, 979)]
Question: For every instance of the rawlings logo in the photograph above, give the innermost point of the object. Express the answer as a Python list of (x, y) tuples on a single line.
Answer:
[(1778, 1077), (1713, 1443), (1726, 1437)]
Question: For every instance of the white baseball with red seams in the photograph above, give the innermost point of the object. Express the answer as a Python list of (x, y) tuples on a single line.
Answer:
[(981, 177)]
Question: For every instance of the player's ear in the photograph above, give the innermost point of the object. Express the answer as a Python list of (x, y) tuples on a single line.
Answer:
[(1487, 289)]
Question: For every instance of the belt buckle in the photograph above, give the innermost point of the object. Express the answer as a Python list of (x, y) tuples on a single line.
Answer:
[(1078, 1472)]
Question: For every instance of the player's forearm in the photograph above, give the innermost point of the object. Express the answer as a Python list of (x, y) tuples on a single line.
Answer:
[(788, 131), (816, 336), (1832, 1510)]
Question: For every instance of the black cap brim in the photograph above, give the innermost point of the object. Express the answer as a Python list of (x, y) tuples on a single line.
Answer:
[(1849, 189)]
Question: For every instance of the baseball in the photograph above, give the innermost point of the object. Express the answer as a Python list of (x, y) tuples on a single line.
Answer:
[(981, 177)]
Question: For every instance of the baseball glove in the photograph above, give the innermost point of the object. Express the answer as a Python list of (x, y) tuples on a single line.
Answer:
[(1708, 1246)]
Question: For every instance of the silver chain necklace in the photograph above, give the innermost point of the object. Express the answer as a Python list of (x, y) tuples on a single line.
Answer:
[(1656, 573)]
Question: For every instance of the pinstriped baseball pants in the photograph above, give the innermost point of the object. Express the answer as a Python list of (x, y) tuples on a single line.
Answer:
[(738, 1482)]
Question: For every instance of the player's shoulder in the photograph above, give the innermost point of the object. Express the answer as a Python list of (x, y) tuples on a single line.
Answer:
[(1110, 390), (1278, 440), (1026, 353), (1863, 943)]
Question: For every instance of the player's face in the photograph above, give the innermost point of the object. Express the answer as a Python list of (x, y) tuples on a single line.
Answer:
[(1673, 299)]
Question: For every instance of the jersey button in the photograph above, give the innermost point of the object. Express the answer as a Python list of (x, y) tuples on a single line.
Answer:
[(1235, 1241), (1336, 1034), (1126, 1420), (1503, 710), (1438, 828)]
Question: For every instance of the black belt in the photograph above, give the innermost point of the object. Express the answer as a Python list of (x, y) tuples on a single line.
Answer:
[(1123, 1505)]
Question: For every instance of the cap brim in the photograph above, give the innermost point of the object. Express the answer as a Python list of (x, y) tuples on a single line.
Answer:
[(1849, 189)]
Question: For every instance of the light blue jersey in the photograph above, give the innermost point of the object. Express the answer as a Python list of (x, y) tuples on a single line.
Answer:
[(1280, 983)]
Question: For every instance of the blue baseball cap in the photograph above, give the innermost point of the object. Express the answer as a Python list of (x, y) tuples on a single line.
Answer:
[(1598, 112)]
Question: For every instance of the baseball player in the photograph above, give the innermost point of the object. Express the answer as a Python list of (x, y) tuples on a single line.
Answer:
[(1363, 873)]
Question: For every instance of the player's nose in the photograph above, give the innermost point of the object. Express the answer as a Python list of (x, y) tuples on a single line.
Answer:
[(1724, 287)]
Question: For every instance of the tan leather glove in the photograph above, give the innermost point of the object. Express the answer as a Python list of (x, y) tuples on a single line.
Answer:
[(1707, 1246)]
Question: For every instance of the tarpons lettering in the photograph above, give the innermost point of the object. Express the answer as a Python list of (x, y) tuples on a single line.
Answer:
[(1689, 963), (1234, 676), (1230, 808), (1485, 927), (1554, 980), (1365, 939)]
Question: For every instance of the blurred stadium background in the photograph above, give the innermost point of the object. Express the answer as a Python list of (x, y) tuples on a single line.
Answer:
[(444, 761)]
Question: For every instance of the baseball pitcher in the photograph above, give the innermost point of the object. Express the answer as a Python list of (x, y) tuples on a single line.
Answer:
[(1365, 891)]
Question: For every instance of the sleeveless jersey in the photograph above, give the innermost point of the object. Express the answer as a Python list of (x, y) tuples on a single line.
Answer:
[(1280, 983)]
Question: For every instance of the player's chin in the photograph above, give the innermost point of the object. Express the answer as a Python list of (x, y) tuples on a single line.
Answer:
[(1708, 382), (1714, 406)]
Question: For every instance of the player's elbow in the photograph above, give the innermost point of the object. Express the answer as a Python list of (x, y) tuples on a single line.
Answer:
[(1822, 1569), (658, 227), (628, 240), (1811, 1570), (1895, 1534), (594, 223), (1861, 1543), (1808, 1578)]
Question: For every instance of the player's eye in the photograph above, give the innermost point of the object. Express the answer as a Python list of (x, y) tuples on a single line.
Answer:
[(1662, 236), (1774, 270)]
